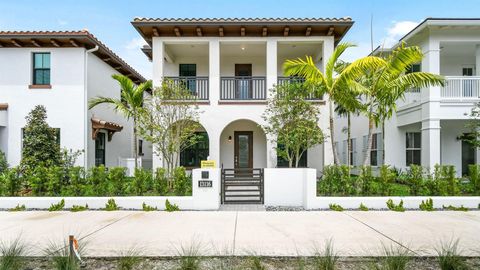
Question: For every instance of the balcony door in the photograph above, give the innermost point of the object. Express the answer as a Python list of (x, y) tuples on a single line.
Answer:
[(243, 152), (243, 72), (188, 72)]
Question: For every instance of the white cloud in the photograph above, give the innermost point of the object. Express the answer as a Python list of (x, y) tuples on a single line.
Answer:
[(62, 22), (397, 31), (135, 44)]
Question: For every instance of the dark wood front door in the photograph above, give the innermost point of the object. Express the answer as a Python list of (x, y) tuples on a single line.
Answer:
[(243, 89), (243, 153)]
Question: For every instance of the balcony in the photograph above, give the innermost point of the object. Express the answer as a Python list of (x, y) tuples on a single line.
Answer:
[(243, 88), (287, 80), (198, 86), (461, 88)]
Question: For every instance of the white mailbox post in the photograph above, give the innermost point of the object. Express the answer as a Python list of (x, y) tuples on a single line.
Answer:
[(206, 188)]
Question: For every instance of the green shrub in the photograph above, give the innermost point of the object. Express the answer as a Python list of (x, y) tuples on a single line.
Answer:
[(142, 181), (327, 258), (56, 179), (415, 179), (77, 183), (182, 184), (117, 180), (57, 206), (161, 182), (451, 180), (394, 207), (171, 207), (79, 208), (190, 257), (363, 207), (366, 178), (335, 207), (11, 182), (394, 257), (455, 208), (98, 178), (387, 176), (148, 208), (427, 205), (13, 254), (18, 208), (336, 180), (111, 205), (474, 176)]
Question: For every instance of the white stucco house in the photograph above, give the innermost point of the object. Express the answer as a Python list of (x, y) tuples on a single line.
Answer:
[(430, 123), (230, 64), (62, 71)]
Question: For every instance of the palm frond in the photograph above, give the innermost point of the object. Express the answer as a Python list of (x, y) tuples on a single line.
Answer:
[(332, 61), (416, 80), (402, 58), (304, 68)]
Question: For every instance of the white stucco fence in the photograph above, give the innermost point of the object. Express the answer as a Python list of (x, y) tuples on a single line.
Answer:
[(282, 187)]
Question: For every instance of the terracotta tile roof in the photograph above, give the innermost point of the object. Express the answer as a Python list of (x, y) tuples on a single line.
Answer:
[(82, 37)]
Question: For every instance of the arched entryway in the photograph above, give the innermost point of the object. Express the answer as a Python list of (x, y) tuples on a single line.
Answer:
[(191, 156), (243, 144)]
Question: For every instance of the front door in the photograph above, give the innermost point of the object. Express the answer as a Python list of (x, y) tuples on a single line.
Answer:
[(243, 72), (243, 154), (468, 155)]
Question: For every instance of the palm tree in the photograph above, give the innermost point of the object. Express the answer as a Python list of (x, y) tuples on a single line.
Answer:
[(383, 80), (336, 87), (129, 104)]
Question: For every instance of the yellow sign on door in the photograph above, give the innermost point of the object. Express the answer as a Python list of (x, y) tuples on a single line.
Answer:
[(208, 164)]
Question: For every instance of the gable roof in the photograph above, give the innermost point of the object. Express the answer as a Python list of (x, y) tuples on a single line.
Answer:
[(64, 39)]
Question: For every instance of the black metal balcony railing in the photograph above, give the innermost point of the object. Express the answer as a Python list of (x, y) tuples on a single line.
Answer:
[(243, 88), (287, 80), (198, 86)]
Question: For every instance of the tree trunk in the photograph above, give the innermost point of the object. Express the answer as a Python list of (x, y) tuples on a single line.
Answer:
[(371, 126), (336, 160), (349, 143), (135, 141)]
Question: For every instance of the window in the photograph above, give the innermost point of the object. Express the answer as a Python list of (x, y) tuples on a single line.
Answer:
[(188, 70), (193, 155), (414, 148), (100, 149), (374, 151), (140, 147), (414, 68), (283, 163), (467, 71), (41, 68)]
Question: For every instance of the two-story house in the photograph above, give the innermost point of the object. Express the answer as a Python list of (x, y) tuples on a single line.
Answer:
[(429, 126), (62, 71), (230, 65)]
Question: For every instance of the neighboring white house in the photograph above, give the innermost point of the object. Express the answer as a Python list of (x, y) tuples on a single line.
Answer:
[(230, 64), (430, 123), (62, 71)]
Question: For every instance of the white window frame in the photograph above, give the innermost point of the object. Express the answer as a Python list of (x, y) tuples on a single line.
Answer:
[(413, 148)]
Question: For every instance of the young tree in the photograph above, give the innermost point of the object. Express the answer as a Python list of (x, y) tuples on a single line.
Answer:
[(474, 126), (129, 104), (169, 120), (293, 120), (40, 142), (336, 87), (382, 81)]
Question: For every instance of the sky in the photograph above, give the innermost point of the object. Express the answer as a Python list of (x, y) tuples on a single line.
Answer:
[(109, 20)]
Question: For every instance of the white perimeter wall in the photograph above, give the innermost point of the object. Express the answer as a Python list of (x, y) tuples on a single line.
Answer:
[(64, 102)]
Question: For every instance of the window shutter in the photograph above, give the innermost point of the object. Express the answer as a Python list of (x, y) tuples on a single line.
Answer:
[(344, 152), (365, 142), (379, 148), (354, 152)]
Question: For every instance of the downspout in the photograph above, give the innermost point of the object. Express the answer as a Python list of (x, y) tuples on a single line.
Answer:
[(85, 105)]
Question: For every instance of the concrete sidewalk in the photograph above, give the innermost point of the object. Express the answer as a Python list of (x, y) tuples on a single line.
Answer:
[(354, 233)]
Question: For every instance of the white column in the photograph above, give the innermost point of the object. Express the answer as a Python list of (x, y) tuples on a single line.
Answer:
[(431, 108), (328, 47), (477, 60), (214, 71), (158, 52), (272, 67)]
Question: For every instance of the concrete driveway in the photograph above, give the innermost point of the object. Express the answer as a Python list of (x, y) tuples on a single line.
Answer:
[(353, 233)]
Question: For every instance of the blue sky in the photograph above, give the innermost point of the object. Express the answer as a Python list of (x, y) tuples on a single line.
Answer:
[(110, 20)]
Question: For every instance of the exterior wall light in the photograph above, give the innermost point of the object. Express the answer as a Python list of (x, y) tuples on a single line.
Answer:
[(229, 138)]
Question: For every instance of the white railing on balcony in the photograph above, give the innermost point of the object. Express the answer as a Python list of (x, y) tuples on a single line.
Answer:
[(412, 96), (461, 88)]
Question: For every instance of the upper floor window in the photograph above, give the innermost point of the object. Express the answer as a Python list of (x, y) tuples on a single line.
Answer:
[(41, 68), (467, 71), (414, 68)]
